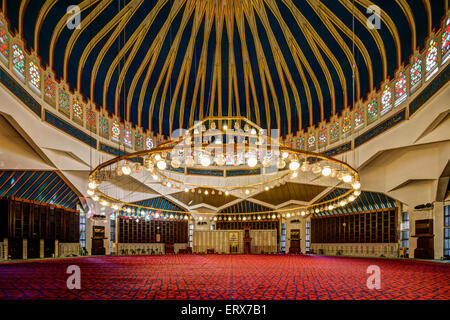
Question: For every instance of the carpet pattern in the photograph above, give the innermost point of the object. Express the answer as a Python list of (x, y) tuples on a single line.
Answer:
[(259, 277)]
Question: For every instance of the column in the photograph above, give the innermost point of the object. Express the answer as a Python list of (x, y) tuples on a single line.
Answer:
[(41, 248), (5, 248), (56, 248), (24, 248), (438, 229)]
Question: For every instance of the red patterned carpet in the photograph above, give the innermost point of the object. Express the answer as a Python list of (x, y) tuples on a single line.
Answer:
[(224, 277)]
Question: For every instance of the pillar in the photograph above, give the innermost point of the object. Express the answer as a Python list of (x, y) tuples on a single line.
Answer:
[(24, 248), (41, 248), (56, 248), (5, 248), (438, 229)]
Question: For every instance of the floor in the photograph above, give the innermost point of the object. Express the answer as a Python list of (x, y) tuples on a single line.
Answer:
[(276, 277)]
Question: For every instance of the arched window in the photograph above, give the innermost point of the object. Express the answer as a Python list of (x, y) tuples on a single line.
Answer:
[(18, 60), (386, 100), (400, 89), (431, 59), (359, 116), (416, 73), (34, 75), (127, 135), (77, 112), (334, 131), (301, 143), (446, 42), (49, 88), (323, 134), (138, 140), (103, 125), (90, 119), (372, 110), (3, 42), (347, 122), (311, 140), (148, 143), (63, 102), (115, 130)]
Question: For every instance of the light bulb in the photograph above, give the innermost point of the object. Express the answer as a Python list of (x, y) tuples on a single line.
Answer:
[(274, 216), (169, 184), (161, 164), (357, 192), (90, 192), (342, 203), (186, 190), (347, 178), (285, 155), (326, 171), (351, 198), (157, 157), (330, 207), (252, 161), (294, 165), (266, 188), (253, 131), (220, 160), (357, 185), (247, 191), (92, 185), (227, 193), (126, 170), (128, 210), (225, 127), (206, 192), (244, 218), (205, 161), (288, 215), (95, 198), (294, 175), (303, 213)]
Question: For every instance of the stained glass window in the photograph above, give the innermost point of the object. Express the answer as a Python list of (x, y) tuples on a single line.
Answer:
[(334, 131), (18, 59), (138, 140), (300, 143), (322, 134), (416, 72), (386, 100), (446, 42), (3, 41), (115, 130), (77, 112), (372, 110), (431, 58), (103, 125), (49, 88), (34, 74), (63, 102), (148, 143), (400, 89), (311, 140), (359, 116), (90, 119), (347, 122), (127, 135)]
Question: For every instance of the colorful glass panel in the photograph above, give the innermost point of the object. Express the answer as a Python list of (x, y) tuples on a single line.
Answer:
[(372, 109), (334, 131), (115, 130), (323, 134), (139, 140), (311, 140), (49, 85), (445, 39), (34, 75), (359, 116), (148, 143), (103, 125), (90, 118), (386, 100), (400, 89), (347, 123), (300, 143), (431, 56), (416, 71), (63, 101), (18, 59), (77, 110), (127, 135), (3, 41)]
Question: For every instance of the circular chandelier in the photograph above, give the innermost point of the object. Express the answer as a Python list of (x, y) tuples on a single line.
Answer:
[(220, 156)]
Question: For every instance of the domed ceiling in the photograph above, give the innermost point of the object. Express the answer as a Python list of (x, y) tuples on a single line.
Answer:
[(281, 63)]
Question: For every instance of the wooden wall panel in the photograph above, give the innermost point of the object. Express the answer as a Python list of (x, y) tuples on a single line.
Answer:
[(378, 226)]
